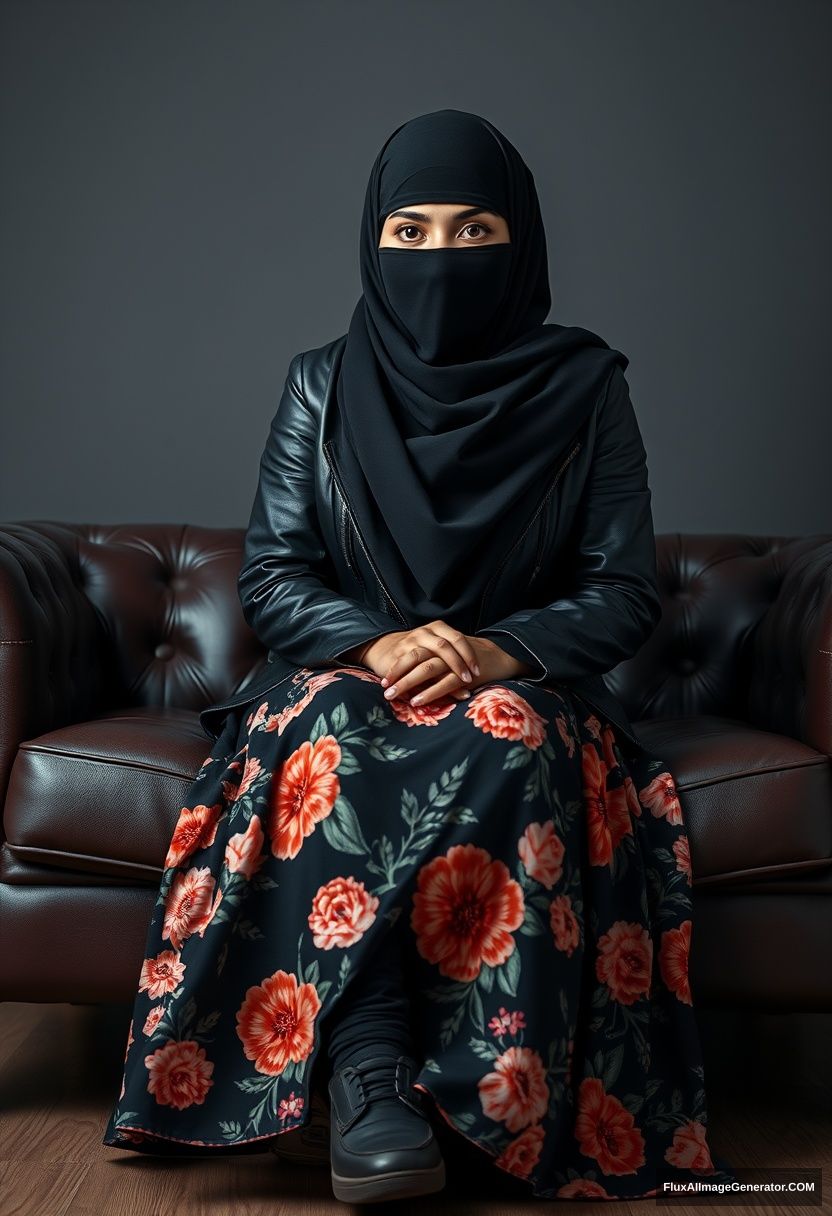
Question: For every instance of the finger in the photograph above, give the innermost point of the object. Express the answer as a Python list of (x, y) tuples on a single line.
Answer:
[(410, 659), (430, 669), (439, 639), (461, 656), (405, 662), (439, 688)]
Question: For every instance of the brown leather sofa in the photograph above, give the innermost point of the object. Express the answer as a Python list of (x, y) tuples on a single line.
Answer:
[(112, 638)]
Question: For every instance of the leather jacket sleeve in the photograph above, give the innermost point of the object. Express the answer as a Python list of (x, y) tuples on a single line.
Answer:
[(612, 603), (282, 584)]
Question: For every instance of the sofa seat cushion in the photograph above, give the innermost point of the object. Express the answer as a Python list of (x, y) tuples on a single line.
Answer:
[(757, 804), (103, 797)]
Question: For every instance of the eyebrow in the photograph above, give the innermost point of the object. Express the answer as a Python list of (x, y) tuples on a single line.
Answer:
[(460, 215)]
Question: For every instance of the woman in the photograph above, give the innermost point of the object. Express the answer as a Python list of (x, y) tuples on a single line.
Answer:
[(427, 856)]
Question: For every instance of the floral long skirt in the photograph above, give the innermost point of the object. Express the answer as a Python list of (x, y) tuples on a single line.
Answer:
[(541, 881)]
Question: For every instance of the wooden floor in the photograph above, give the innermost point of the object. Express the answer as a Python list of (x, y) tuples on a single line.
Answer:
[(768, 1080)]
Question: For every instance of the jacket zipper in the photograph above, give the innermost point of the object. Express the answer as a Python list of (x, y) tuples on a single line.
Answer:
[(576, 448), (336, 477), (349, 552)]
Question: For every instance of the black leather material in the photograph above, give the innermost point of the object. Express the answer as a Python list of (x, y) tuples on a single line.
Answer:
[(379, 1127), (575, 594)]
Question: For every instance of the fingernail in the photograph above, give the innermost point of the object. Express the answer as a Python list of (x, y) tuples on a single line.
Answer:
[(384, 682), (466, 675), (417, 700), (475, 669), (390, 692)]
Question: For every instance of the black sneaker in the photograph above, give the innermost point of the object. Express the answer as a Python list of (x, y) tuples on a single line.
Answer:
[(382, 1144)]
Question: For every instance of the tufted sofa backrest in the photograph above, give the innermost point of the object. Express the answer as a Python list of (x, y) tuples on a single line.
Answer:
[(148, 614)]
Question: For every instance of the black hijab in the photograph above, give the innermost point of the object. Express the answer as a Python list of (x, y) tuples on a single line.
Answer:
[(455, 401)]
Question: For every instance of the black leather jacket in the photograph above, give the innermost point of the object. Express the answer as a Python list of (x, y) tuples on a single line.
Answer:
[(574, 595)]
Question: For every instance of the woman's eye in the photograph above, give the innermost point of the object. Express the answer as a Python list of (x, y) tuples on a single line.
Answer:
[(483, 227), (410, 233)]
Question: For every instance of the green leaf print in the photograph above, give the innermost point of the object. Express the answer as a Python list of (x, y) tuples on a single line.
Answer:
[(342, 829), (532, 925), (612, 1066), (518, 756), (424, 823), (247, 929), (508, 973), (319, 728), (343, 972), (485, 979), (483, 1049)]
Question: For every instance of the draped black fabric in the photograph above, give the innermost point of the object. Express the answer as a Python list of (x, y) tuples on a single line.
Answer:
[(456, 400)]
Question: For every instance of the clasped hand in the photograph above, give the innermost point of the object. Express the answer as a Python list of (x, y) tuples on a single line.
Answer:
[(436, 660)]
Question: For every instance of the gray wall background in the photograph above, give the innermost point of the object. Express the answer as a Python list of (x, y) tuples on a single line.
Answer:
[(182, 182)]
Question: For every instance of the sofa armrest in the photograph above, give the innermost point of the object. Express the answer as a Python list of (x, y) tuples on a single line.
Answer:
[(53, 644), (790, 685)]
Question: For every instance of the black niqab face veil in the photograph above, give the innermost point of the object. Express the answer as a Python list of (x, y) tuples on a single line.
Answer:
[(455, 400)]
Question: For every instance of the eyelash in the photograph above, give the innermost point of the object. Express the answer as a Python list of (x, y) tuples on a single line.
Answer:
[(473, 224)]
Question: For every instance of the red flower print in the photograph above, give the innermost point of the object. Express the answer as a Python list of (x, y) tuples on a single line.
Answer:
[(608, 819), (215, 905), (303, 793), (244, 851), (129, 1041), (359, 673), (632, 797), (251, 771), (341, 912), (276, 1022), (690, 1148), (321, 679), (503, 713), (565, 925), (608, 744), (515, 1093), (593, 725), (429, 713), (180, 1074), (565, 734), (464, 911), (195, 829), (541, 852), (582, 1188), (279, 721), (681, 851), (522, 1155), (606, 1130), (161, 974), (188, 905), (674, 955), (256, 719), (153, 1019), (625, 961), (290, 1108), (315, 681), (507, 1023), (126, 1133), (662, 799)]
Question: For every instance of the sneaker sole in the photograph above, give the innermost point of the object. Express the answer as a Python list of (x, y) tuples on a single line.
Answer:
[(399, 1184)]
